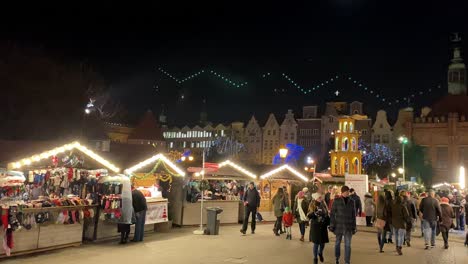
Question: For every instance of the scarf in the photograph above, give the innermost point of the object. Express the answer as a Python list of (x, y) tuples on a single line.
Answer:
[(302, 215)]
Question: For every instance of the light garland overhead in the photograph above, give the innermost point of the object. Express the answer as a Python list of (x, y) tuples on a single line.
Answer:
[(285, 167), (55, 151), (154, 159), (237, 167)]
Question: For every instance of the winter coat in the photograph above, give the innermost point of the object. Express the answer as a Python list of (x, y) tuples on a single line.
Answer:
[(430, 208), (447, 216), (357, 203), (288, 219), (400, 215), (343, 216), (411, 207), (278, 205), (369, 206), (139, 201), (319, 220), (252, 197), (304, 206)]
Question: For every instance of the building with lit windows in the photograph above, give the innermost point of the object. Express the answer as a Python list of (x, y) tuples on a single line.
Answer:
[(253, 136), (271, 139), (382, 131), (288, 129), (194, 137)]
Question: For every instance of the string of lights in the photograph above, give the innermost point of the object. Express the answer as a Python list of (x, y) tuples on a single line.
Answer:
[(323, 85)]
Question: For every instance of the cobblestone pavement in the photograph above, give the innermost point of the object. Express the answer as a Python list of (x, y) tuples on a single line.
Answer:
[(181, 246)]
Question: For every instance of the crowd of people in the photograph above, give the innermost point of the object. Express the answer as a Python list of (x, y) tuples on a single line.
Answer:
[(393, 215)]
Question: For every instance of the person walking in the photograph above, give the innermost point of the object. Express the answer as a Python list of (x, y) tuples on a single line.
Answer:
[(307, 195), (319, 221), (278, 208), (251, 200), (430, 210), (140, 207), (466, 217), (343, 223), (411, 207), (300, 211), (381, 221), (388, 207), (462, 218), (288, 220), (369, 208), (357, 201), (328, 196), (418, 204), (400, 219), (447, 219)]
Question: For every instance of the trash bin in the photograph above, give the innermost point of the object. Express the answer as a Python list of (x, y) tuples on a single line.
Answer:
[(212, 222)]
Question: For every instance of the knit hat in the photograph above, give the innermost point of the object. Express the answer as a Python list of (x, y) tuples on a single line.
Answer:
[(344, 189), (305, 189), (444, 200), (316, 195), (287, 209), (300, 195)]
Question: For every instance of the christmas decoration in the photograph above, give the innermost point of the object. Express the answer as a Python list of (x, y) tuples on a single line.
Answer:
[(285, 167), (237, 167), (160, 159)]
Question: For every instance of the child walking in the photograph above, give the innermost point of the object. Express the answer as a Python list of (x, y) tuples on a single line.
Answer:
[(288, 221)]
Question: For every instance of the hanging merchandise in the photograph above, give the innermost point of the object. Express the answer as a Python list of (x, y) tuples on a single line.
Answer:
[(115, 199)]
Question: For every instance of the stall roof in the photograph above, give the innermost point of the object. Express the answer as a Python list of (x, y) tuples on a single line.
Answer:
[(231, 165), (273, 174), (154, 159), (230, 170), (26, 160)]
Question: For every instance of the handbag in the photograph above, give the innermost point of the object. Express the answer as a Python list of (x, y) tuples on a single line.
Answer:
[(379, 223)]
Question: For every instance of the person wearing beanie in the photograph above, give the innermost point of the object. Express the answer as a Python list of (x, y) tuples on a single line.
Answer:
[(300, 212), (288, 220), (447, 219), (319, 221), (430, 210), (251, 199), (343, 223)]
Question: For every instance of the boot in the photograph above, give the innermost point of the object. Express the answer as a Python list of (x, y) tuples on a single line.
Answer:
[(122, 238), (315, 261), (466, 240), (399, 251), (302, 238)]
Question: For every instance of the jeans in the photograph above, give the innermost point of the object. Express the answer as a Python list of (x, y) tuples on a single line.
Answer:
[(381, 238), (249, 210), (461, 222), (140, 225), (278, 224), (399, 236), (409, 230), (302, 228), (318, 249), (429, 232), (347, 245)]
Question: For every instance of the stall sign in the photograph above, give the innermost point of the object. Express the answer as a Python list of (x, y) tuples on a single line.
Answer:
[(156, 213)]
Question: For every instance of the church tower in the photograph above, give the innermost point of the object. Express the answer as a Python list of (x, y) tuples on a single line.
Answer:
[(346, 157), (457, 70)]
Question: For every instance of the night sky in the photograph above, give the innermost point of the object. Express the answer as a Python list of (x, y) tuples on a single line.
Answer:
[(394, 50)]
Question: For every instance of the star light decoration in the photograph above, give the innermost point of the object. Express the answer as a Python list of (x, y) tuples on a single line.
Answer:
[(304, 90)]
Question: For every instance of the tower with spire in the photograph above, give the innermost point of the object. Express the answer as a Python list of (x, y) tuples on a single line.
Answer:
[(457, 69)]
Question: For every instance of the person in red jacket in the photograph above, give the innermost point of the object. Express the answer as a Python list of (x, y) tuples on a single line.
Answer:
[(288, 221)]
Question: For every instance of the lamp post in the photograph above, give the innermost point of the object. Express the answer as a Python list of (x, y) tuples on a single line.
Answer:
[(283, 152), (311, 165), (403, 140)]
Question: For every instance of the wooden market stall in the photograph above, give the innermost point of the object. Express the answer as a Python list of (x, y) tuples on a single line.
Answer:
[(226, 184), (57, 201), (273, 179)]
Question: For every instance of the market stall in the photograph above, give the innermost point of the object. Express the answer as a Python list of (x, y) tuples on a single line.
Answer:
[(285, 177), (156, 185), (55, 203), (223, 187)]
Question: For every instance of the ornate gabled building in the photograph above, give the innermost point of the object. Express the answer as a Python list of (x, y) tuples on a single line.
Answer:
[(288, 129), (253, 142), (382, 131), (271, 136)]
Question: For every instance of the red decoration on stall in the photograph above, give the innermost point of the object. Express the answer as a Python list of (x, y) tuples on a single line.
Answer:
[(70, 174), (55, 161), (164, 215)]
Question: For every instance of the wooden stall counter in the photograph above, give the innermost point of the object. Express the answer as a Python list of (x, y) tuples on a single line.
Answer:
[(230, 214)]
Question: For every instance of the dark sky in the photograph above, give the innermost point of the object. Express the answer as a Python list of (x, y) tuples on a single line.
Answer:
[(394, 49)]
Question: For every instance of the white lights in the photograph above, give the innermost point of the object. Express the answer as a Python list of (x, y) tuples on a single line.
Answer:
[(462, 178), (310, 160), (237, 167), (152, 160), (285, 167), (55, 151), (401, 170), (393, 174), (87, 111)]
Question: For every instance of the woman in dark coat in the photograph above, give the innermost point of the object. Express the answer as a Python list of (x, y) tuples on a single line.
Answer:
[(447, 219), (319, 221), (381, 213), (278, 208), (400, 219)]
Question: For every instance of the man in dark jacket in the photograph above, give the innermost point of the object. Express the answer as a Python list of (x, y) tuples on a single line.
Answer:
[(357, 201), (430, 210), (252, 203), (343, 223), (140, 207)]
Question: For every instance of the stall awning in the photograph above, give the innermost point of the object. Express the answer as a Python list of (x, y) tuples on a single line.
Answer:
[(225, 170), (154, 159), (58, 150), (278, 173)]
